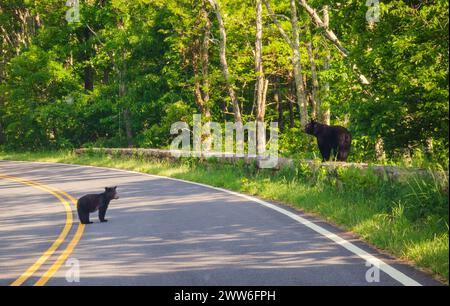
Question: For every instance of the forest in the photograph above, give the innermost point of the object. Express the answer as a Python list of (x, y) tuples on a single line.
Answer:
[(79, 76), (118, 73)]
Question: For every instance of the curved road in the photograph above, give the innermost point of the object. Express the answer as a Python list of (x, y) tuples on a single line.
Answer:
[(169, 232)]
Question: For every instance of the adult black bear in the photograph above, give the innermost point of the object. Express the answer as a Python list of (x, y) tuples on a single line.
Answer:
[(336, 138), (93, 202)]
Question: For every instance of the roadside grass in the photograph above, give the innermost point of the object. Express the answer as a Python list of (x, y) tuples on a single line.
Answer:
[(408, 220)]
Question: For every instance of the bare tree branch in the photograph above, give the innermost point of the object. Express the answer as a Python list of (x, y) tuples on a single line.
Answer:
[(277, 23), (331, 36), (223, 61)]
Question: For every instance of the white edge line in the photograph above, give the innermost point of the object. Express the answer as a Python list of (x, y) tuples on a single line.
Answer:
[(376, 262)]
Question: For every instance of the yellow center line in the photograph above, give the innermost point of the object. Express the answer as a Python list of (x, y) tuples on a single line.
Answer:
[(62, 236), (62, 258)]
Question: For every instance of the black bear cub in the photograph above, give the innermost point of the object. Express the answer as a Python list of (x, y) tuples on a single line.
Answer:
[(93, 202), (331, 138)]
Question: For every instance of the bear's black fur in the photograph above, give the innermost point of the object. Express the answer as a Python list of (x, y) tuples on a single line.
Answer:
[(336, 138), (93, 202)]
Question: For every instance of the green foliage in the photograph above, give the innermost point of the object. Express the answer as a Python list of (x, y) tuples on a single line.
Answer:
[(293, 142), (157, 135), (405, 55), (38, 111), (427, 197), (126, 65)]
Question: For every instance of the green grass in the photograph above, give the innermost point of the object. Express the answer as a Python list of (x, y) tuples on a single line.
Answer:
[(408, 220)]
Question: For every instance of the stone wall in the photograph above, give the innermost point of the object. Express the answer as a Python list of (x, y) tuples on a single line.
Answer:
[(392, 172)]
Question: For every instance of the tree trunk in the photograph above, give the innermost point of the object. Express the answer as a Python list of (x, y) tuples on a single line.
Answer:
[(88, 78), (278, 103), (200, 61), (126, 111), (295, 46), (128, 128), (315, 98), (88, 69), (380, 154), (223, 61), (205, 54), (296, 60), (261, 84), (429, 147), (198, 92), (291, 98), (105, 79), (326, 114), (2, 138)]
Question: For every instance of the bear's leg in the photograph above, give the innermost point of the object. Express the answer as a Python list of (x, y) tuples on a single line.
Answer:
[(102, 213), (344, 147), (80, 214), (87, 221), (325, 150), (342, 154), (335, 154), (83, 216)]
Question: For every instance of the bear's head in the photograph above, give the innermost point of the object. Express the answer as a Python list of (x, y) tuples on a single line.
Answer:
[(312, 128), (111, 193)]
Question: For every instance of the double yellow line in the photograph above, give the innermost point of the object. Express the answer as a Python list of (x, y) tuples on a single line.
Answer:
[(65, 199)]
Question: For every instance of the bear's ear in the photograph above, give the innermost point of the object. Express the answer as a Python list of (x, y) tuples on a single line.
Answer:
[(106, 188), (115, 187)]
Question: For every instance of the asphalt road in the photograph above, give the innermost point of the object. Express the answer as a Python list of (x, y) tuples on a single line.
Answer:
[(169, 232)]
